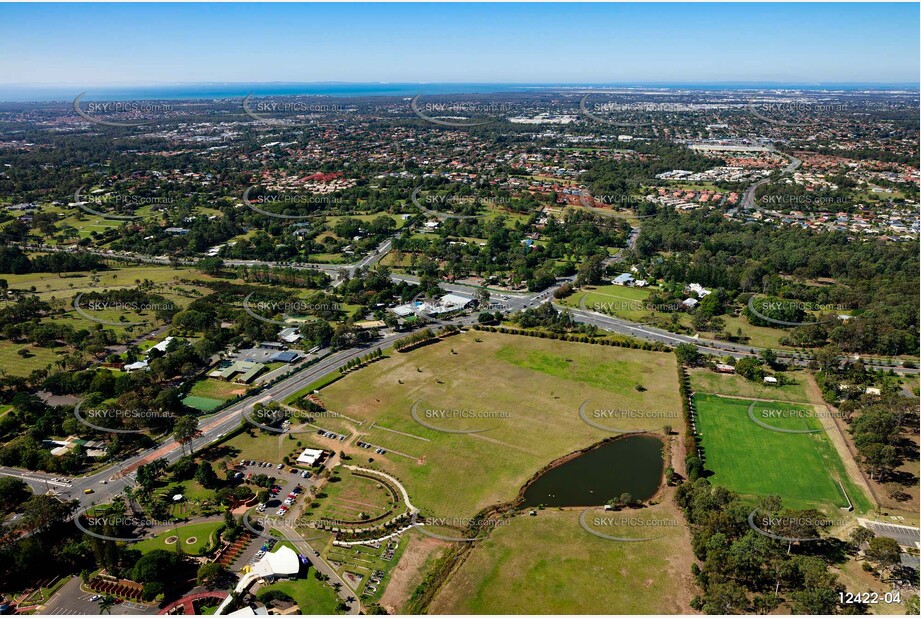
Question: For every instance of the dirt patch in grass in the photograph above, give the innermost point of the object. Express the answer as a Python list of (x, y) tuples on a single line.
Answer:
[(409, 572)]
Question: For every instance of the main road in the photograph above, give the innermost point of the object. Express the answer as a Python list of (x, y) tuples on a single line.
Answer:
[(111, 481)]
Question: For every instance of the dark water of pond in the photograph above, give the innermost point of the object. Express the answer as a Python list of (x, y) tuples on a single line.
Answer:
[(632, 464)]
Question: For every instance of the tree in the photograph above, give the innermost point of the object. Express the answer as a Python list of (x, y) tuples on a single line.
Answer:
[(827, 357), (861, 535), (210, 265), (158, 567), (205, 475), (13, 492), (750, 369), (106, 604), (590, 271), (725, 598), (687, 354), (210, 574), (41, 513), (185, 431), (884, 552)]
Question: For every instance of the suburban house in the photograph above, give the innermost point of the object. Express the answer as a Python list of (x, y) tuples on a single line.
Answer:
[(624, 279), (698, 289)]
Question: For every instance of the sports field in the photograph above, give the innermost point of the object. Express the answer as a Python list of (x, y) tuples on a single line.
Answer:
[(803, 468), (203, 404), (549, 564), (521, 395)]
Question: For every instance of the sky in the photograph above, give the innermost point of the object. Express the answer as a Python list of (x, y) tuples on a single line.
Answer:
[(102, 44)]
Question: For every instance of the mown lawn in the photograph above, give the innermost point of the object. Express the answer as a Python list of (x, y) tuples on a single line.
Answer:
[(205, 535), (311, 595), (804, 469)]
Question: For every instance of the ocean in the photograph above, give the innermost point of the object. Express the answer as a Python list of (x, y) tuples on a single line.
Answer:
[(207, 91)]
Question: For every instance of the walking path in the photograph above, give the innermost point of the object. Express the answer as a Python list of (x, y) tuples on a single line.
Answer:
[(396, 483), (187, 602)]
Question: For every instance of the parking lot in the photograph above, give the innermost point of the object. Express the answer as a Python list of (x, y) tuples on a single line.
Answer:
[(71, 600), (289, 485)]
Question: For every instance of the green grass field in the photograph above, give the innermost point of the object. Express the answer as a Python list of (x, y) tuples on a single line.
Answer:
[(70, 284), (708, 381), (617, 300), (203, 404), (804, 469), (530, 411), (629, 303), (259, 446), (221, 390), (549, 565), (311, 595), (205, 535), (37, 358), (352, 496)]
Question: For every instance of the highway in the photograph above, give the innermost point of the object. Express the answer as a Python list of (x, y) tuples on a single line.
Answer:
[(109, 482)]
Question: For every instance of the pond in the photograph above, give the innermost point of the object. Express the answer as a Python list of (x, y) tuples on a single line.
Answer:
[(632, 464)]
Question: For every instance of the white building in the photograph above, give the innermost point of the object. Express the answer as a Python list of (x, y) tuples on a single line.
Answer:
[(697, 289), (289, 335), (310, 456), (283, 562), (161, 346)]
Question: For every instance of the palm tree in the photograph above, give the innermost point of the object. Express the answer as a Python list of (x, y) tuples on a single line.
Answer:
[(106, 604)]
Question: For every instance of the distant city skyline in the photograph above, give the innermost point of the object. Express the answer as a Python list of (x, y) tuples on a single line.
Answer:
[(642, 44)]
